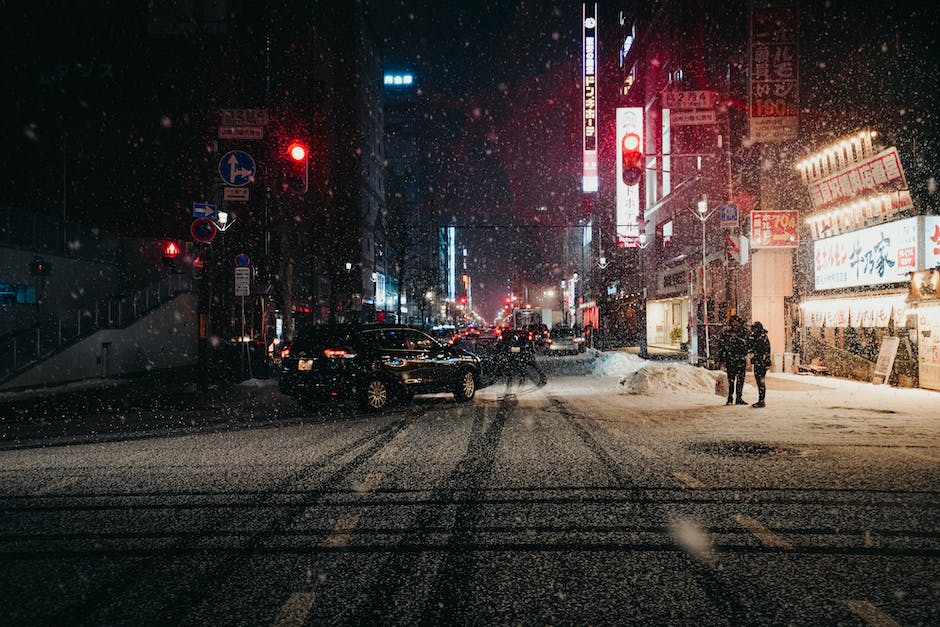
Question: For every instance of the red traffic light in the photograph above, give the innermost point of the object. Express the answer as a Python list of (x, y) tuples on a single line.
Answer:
[(297, 151), (631, 159), (171, 250), (296, 174)]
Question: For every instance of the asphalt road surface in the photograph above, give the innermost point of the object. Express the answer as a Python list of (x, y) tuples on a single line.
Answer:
[(527, 505)]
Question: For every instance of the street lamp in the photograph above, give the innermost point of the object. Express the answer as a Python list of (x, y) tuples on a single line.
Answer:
[(703, 215)]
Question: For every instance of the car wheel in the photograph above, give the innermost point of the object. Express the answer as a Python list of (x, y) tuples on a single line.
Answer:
[(466, 386), (375, 394)]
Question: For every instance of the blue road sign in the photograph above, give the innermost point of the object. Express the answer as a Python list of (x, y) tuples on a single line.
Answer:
[(729, 215), (237, 168), (204, 210), (203, 230), (242, 260)]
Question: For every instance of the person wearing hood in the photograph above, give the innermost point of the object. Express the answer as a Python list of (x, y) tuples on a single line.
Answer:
[(732, 350), (760, 359)]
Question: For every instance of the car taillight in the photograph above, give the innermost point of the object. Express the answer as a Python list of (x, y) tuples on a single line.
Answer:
[(338, 353), (285, 351)]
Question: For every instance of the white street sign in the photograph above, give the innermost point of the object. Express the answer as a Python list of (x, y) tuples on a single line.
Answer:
[(242, 281), (238, 194)]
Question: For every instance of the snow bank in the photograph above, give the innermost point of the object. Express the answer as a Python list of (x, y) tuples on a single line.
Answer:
[(662, 378), (617, 364)]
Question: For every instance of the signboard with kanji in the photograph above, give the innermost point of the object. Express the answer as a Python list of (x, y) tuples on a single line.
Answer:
[(774, 89), (673, 99), (876, 173), (881, 254), (775, 229)]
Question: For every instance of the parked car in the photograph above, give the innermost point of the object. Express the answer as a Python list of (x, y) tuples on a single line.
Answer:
[(564, 340), (375, 365)]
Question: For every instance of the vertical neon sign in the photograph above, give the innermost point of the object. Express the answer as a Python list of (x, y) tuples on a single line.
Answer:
[(629, 120), (589, 95), (451, 263)]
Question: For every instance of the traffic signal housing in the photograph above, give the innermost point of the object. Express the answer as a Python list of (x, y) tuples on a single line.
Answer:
[(38, 266), (631, 159), (297, 176), (171, 251)]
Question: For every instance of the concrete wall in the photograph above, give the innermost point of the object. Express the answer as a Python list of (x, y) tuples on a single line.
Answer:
[(163, 339), (73, 283), (771, 283)]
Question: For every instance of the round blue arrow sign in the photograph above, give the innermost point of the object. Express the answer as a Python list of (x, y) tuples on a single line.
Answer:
[(237, 168)]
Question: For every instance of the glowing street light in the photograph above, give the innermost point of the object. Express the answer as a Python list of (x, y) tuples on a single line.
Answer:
[(703, 215)]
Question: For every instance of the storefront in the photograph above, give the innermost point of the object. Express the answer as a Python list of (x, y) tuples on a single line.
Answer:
[(924, 302), (667, 322)]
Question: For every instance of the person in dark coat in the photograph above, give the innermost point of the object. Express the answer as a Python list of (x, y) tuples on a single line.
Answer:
[(732, 352), (517, 356), (760, 359)]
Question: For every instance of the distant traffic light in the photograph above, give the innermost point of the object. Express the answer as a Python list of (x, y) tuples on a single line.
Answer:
[(38, 266), (199, 267), (631, 159), (297, 176)]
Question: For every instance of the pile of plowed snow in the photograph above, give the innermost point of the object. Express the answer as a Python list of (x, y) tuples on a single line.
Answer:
[(658, 378), (640, 376)]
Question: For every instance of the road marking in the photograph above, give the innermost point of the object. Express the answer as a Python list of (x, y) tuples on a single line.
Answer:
[(765, 535), (341, 532), (869, 613), (690, 481), (370, 483), (55, 486), (295, 610)]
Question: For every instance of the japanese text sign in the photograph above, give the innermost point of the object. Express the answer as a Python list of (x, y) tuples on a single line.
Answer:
[(774, 78), (774, 229), (874, 256)]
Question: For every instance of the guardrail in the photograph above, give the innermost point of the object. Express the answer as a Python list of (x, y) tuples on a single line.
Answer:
[(23, 349)]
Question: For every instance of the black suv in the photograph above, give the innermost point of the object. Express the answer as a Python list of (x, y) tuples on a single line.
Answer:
[(375, 365)]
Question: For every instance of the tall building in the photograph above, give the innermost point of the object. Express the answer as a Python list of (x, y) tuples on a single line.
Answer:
[(410, 207)]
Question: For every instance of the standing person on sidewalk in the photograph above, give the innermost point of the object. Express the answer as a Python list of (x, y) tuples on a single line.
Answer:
[(760, 359), (733, 349)]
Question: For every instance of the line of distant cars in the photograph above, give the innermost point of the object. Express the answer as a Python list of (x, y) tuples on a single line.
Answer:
[(377, 365)]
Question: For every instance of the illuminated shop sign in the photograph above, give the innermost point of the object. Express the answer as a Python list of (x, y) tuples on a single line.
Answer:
[(774, 77), (629, 120), (589, 95), (874, 256), (399, 79), (775, 229), (874, 311), (931, 242), (925, 285), (451, 263), (879, 172)]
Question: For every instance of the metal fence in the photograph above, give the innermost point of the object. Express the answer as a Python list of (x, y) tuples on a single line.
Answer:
[(23, 349)]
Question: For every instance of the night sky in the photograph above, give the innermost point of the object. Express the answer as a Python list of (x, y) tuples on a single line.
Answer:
[(119, 114)]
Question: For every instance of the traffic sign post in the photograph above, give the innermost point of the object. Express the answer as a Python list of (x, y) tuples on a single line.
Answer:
[(204, 210), (203, 230), (729, 216), (242, 281), (237, 168)]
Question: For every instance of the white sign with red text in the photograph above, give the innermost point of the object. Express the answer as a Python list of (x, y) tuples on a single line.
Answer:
[(874, 256), (879, 172)]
